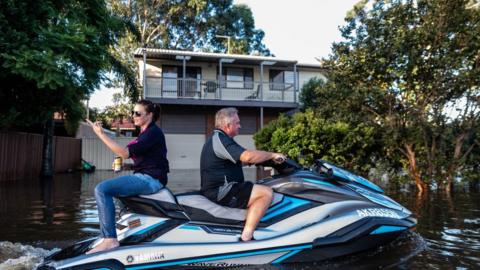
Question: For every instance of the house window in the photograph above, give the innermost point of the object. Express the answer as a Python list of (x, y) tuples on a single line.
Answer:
[(240, 78), (169, 77), (281, 79), (172, 82)]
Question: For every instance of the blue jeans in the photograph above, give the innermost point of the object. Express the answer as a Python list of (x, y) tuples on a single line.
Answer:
[(123, 186)]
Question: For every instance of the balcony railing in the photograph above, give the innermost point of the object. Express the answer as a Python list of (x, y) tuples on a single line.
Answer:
[(163, 87)]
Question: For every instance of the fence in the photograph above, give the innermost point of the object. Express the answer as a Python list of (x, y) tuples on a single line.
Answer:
[(21, 155)]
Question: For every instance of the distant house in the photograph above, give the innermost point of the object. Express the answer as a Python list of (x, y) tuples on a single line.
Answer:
[(124, 127), (192, 86)]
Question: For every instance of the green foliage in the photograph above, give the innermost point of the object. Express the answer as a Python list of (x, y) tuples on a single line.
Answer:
[(121, 109), (411, 71), (190, 24), (309, 92), (263, 137), (53, 55), (237, 22), (307, 136), (403, 90)]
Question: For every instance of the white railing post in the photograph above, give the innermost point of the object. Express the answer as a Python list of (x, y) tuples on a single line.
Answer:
[(295, 83), (144, 51), (220, 80), (261, 84)]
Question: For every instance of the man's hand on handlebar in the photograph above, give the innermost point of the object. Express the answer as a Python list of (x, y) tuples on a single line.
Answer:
[(279, 158)]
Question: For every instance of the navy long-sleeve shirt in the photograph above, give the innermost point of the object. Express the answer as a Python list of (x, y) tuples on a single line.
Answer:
[(149, 153)]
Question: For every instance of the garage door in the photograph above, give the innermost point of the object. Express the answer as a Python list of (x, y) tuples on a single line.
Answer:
[(184, 150)]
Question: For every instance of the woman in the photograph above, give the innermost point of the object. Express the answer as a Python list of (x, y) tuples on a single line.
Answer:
[(149, 154)]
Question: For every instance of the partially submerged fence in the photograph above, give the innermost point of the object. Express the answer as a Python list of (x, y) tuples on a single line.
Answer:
[(21, 155)]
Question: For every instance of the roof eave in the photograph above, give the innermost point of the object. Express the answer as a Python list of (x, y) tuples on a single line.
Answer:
[(210, 57)]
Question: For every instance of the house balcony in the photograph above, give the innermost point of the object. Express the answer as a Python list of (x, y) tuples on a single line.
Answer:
[(164, 90)]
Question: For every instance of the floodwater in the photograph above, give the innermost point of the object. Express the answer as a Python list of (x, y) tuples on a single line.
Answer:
[(39, 217)]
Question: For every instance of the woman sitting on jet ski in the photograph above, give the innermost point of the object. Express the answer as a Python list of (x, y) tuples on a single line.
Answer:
[(149, 154)]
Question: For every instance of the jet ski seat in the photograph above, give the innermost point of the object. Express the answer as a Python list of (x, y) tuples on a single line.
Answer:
[(163, 195), (200, 208)]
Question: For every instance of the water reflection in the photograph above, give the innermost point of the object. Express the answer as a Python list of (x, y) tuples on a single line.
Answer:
[(449, 226), (43, 207), (47, 214)]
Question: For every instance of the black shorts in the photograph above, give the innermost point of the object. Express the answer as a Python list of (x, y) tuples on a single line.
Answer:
[(238, 196)]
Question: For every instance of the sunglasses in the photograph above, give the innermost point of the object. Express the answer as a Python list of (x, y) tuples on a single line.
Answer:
[(137, 114)]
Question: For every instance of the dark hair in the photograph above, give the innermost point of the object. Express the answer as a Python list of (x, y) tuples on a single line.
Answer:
[(150, 107)]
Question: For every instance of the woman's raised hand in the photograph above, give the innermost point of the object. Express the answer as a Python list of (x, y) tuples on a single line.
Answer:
[(97, 126)]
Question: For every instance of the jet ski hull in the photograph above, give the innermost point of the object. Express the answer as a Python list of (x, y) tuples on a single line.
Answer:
[(299, 245), (312, 217)]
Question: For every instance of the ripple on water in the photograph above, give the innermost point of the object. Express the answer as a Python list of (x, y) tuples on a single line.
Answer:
[(471, 221), (17, 256)]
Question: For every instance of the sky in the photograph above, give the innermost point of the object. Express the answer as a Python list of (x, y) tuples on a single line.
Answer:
[(299, 30)]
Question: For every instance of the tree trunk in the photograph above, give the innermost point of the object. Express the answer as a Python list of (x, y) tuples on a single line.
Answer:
[(413, 169), (449, 186), (47, 153), (455, 163)]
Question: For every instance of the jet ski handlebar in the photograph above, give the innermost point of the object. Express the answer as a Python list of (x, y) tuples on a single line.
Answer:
[(288, 166)]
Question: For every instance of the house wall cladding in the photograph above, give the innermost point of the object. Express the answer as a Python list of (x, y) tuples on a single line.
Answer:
[(21, 155)]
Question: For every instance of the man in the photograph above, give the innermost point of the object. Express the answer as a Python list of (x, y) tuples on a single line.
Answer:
[(222, 175)]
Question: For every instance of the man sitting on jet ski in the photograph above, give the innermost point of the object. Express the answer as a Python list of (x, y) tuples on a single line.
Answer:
[(222, 179)]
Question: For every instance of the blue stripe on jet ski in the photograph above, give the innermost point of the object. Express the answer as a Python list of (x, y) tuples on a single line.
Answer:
[(387, 229), (288, 255), (149, 228), (221, 257), (189, 227), (275, 207), (287, 204), (315, 181)]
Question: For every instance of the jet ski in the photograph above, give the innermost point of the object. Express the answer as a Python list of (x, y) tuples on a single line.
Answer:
[(317, 213)]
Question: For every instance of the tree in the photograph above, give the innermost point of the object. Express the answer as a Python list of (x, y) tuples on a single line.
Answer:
[(309, 93), (237, 22), (53, 54), (402, 68), (185, 25)]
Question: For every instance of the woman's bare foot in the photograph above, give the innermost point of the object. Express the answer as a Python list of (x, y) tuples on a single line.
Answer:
[(247, 235), (106, 244)]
